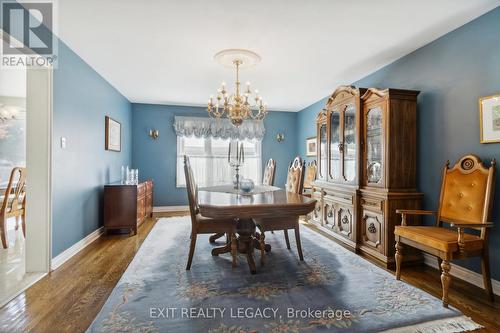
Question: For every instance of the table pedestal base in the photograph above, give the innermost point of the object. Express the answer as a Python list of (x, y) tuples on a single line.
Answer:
[(245, 242)]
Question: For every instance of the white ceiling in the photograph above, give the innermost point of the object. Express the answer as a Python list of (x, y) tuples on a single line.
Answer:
[(156, 51)]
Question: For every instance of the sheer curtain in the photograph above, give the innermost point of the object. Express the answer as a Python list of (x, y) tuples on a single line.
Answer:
[(206, 142)]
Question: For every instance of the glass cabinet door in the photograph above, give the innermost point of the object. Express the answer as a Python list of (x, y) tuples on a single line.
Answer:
[(335, 145), (349, 146), (374, 145), (322, 152)]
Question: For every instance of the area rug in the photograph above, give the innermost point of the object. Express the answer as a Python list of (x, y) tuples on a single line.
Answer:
[(333, 290)]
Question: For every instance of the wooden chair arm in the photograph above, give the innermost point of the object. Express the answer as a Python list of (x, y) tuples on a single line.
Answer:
[(415, 212), (405, 212), (463, 224)]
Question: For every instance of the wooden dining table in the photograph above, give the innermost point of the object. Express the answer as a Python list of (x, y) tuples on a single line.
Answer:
[(216, 202)]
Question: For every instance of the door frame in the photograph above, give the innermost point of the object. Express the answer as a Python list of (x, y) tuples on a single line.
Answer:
[(39, 110), (39, 113)]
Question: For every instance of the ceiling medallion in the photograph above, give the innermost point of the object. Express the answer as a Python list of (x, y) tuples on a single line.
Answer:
[(237, 106)]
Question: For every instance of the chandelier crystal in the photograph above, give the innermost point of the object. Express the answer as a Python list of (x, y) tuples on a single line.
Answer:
[(240, 105)]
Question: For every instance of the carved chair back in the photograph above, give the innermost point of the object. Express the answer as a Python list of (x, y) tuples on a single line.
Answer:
[(192, 189), (295, 178), (467, 192), (310, 176), (269, 170), (15, 194)]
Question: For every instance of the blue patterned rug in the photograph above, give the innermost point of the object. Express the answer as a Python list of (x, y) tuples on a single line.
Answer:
[(333, 290)]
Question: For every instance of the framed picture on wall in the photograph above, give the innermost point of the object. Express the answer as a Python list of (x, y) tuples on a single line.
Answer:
[(113, 136), (311, 146), (489, 118)]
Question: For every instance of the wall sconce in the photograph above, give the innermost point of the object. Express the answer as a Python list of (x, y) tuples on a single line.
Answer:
[(154, 134), (280, 137)]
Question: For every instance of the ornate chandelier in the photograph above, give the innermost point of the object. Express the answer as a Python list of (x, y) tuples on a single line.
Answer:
[(239, 105)]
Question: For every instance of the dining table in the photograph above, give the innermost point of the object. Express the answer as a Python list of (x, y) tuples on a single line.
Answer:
[(226, 202)]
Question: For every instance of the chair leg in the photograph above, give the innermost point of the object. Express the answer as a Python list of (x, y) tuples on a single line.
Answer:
[(399, 258), (287, 240), (485, 268), (262, 244), (191, 250), (3, 231), (445, 280), (297, 241), (23, 224), (234, 249)]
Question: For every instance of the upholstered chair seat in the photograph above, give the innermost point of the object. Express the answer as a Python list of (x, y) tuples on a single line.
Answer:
[(439, 238)]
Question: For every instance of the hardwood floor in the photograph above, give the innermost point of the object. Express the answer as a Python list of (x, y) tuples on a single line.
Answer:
[(68, 299)]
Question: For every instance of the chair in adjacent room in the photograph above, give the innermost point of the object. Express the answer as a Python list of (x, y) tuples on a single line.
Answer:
[(201, 224), (310, 176), (465, 203), (269, 171), (294, 184), (13, 203)]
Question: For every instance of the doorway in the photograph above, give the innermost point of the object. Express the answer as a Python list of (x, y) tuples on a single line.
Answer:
[(25, 142)]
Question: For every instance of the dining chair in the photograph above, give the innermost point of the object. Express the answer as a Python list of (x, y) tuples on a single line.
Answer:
[(310, 176), (13, 203), (294, 184), (465, 203), (205, 225), (269, 171)]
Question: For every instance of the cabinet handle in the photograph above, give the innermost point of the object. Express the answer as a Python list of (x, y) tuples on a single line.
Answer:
[(345, 220), (330, 214), (371, 228)]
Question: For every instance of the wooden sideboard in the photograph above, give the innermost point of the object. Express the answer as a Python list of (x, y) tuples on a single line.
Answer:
[(127, 206), (367, 151)]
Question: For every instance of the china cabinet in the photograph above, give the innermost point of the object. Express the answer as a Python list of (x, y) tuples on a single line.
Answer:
[(366, 167), (339, 153)]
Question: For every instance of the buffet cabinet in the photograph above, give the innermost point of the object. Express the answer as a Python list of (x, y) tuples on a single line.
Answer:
[(366, 141), (126, 206)]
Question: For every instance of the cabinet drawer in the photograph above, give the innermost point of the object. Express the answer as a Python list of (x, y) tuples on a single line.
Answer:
[(149, 204), (149, 187), (339, 197), (141, 208), (141, 190), (372, 229), (372, 204)]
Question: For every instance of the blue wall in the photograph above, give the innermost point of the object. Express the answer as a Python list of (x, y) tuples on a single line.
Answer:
[(82, 98), (451, 73), (156, 159)]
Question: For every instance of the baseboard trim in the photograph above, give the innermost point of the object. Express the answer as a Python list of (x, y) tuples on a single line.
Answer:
[(75, 248), (463, 274), (164, 209)]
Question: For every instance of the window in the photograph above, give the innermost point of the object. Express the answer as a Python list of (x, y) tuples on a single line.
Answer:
[(208, 157)]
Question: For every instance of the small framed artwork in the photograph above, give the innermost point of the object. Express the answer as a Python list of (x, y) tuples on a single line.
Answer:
[(113, 140), (489, 118), (311, 146)]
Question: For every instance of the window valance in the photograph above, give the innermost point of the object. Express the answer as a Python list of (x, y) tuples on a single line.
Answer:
[(204, 127)]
